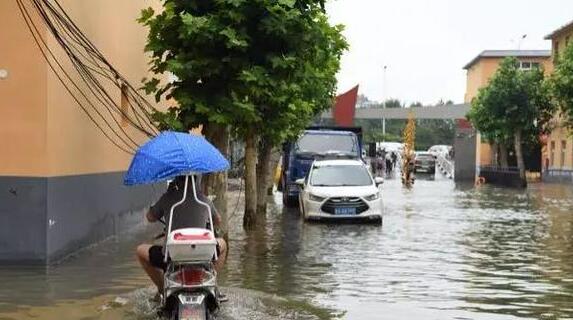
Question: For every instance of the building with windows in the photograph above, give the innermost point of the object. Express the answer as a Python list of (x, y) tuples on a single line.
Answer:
[(60, 177), (483, 67), (558, 150)]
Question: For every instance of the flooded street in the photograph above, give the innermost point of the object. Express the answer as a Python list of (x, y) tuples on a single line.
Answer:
[(443, 252)]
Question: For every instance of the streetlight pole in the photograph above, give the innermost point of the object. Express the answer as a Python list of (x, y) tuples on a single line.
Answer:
[(520, 41), (384, 104)]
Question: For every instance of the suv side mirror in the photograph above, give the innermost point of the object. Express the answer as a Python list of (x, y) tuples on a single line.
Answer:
[(300, 182), (378, 181)]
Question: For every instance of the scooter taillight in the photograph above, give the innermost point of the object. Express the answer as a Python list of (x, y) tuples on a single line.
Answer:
[(191, 276)]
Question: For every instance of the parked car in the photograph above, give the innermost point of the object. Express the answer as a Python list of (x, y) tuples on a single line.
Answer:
[(425, 161), (442, 150), (340, 189)]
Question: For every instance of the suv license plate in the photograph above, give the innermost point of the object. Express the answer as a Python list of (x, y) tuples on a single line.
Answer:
[(344, 211)]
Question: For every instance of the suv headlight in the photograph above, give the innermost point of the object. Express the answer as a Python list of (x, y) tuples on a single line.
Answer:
[(313, 197), (372, 197)]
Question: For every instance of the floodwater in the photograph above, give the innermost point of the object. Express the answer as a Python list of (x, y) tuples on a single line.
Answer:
[(443, 252)]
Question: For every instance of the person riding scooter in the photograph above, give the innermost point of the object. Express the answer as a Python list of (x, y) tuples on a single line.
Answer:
[(152, 257)]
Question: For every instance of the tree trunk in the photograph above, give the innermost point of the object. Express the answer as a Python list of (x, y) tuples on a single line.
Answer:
[(263, 176), (221, 141), (503, 155), (250, 216), (519, 156), (218, 135)]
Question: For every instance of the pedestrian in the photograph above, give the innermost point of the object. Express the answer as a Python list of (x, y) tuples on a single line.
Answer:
[(394, 159), (389, 166), (380, 165)]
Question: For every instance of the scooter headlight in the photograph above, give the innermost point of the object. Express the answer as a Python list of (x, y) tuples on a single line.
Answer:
[(372, 197), (315, 198)]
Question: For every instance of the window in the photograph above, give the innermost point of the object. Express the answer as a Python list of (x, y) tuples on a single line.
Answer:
[(124, 105), (323, 143), (563, 149), (340, 175), (527, 65), (552, 154)]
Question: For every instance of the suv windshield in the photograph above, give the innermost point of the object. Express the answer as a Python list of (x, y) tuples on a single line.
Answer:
[(334, 176), (325, 143)]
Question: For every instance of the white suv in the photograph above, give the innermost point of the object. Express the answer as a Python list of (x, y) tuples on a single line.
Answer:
[(340, 189)]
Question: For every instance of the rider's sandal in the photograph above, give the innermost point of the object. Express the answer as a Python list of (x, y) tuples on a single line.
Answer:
[(157, 297), (222, 297)]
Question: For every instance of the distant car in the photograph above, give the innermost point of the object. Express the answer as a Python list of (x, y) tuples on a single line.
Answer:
[(340, 190), (442, 150), (425, 161)]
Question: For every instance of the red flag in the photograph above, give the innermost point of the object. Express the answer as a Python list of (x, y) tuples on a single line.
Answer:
[(345, 107)]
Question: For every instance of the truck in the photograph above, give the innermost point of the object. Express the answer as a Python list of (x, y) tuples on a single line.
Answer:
[(315, 143)]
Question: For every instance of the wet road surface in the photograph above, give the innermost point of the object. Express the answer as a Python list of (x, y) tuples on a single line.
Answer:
[(443, 252)]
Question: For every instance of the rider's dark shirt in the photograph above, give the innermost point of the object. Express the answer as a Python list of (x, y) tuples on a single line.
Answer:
[(190, 213)]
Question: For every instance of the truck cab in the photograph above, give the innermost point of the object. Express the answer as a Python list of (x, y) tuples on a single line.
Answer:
[(316, 143)]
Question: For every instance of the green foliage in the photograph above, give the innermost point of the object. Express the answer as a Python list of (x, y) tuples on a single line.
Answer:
[(430, 132), (262, 65), (393, 103), (562, 85), (513, 101)]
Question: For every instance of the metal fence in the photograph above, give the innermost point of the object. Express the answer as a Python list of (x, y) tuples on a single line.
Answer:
[(558, 175), (502, 176), (499, 168), (446, 166)]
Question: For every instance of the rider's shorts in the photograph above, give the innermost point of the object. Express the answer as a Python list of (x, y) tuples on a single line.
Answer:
[(157, 258)]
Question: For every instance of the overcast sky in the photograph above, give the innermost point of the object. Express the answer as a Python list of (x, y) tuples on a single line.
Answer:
[(426, 43)]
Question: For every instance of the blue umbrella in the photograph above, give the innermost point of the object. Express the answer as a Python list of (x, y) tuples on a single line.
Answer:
[(172, 154)]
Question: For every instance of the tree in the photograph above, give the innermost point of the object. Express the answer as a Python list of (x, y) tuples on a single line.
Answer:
[(393, 103), (363, 102), (263, 68), (515, 104), (562, 85)]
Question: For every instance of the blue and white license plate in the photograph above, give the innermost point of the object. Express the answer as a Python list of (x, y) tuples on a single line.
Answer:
[(344, 211)]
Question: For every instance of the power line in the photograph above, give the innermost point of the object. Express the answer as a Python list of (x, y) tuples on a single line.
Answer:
[(114, 77), (92, 69), (39, 41)]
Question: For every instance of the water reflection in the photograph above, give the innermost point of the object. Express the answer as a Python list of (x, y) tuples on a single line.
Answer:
[(107, 269), (512, 265)]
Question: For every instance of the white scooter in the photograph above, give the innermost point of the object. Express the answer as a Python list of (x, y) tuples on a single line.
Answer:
[(190, 280)]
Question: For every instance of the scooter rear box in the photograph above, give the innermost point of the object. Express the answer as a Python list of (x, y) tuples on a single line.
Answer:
[(191, 244)]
